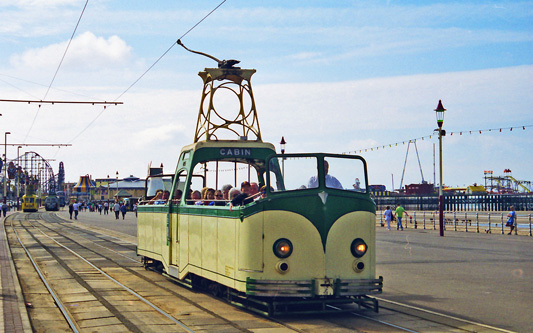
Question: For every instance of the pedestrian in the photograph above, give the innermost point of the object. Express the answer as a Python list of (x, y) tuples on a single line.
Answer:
[(388, 216), (106, 208), (4, 209), (399, 214), (511, 221), (71, 209), (116, 209), (76, 208), (135, 208), (100, 208), (123, 210)]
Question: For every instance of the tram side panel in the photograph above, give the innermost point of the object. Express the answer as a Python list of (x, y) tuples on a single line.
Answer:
[(226, 251)]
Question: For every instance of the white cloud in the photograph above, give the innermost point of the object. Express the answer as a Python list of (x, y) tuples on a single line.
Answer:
[(86, 52)]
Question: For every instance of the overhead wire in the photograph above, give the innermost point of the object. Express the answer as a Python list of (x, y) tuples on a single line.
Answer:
[(58, 67), (149, 68)]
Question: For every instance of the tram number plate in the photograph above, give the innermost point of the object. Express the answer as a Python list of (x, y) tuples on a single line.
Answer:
[(324, 286)]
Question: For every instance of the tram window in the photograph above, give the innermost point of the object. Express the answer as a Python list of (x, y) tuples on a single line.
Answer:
[(224, 172), (345, 173), (293, 173), (153, 184), (180, 187)]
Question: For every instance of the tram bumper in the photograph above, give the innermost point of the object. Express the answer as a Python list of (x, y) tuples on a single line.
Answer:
[(314, 287)]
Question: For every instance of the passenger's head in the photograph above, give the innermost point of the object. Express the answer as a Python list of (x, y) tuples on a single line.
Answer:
[(245, 187), (210, 194), (254, 188), (225, 191), (326, 167), (179, 193), (233, 193), (166, 194), (203, 192), (196, 195), (219, 195)]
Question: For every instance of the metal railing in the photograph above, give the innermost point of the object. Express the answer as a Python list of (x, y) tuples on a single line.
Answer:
[(465, 221)]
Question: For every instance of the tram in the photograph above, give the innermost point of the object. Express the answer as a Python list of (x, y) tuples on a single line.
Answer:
[(52, 203), (29, 203), (306, 241)]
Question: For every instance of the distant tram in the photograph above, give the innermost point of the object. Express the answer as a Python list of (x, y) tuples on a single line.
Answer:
[(51, 203), (29, 203), (305, 241)]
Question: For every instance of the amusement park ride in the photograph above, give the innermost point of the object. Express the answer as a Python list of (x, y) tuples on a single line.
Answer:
[(505, 184), (31, 172)]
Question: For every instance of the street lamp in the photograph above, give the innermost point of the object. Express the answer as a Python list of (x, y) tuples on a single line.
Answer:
[(117, 187), (282, 146), (17, 176), (440, 119), (5, 165), (107, 188)]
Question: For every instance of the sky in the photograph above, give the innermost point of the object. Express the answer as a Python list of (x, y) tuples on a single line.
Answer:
[(339, 77)]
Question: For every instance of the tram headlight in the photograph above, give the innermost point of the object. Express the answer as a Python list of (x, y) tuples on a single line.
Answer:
[(358, 248), (282, 248)]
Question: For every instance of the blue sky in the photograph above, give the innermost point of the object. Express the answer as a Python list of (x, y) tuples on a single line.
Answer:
[(336, 77)]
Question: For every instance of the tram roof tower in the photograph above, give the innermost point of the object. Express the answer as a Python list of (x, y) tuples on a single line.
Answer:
[(227, 105)]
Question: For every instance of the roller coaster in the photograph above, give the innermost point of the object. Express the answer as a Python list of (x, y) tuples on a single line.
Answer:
[(505, 184)]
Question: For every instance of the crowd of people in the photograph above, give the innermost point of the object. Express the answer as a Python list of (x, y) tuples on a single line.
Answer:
[(207, 196), (118, 207)]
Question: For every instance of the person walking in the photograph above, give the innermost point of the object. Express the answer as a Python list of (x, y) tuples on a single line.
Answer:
[(116, 209), (76, 207), (71, 209), (123, 210), (106, 208), (388, 216), (399, 214), (4, 209), (511, 221)]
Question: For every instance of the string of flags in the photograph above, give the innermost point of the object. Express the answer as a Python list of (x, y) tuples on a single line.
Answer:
[(390, 145)]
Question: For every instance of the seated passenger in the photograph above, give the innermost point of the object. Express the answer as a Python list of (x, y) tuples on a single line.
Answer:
[(225, 191), (156, 198), (243, 198), (330, 180), (195, 198), (219, 199), (209, 196), (177, 197)]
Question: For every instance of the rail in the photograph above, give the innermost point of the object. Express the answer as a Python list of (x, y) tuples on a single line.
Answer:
[(465, 221)]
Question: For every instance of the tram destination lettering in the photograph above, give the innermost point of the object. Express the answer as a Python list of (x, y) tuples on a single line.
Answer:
[(235, 152)]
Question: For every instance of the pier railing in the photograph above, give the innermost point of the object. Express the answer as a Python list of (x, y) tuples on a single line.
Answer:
[(458, 203), (489, 222)]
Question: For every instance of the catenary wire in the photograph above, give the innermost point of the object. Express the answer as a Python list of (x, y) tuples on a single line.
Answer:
[(58, 67)]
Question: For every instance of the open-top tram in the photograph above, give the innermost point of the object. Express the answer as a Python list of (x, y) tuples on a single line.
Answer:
[(305, 241)]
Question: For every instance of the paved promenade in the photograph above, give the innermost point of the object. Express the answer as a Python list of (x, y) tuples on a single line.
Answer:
[(14, 316)]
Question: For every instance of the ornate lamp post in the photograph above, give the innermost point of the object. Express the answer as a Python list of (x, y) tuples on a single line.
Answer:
[(17, 176), (117, 187), (282, 147), (5, 166), (440, 119)]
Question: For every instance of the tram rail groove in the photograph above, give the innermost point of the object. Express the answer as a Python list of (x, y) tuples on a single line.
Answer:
[(131, 326)]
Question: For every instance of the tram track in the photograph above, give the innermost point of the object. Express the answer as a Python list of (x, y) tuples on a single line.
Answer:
[(110, 254)]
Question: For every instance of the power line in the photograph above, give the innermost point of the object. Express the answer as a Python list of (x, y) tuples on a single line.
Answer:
[(57, 70)]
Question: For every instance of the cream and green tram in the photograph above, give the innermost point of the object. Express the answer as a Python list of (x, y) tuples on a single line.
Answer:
[(306, 242)]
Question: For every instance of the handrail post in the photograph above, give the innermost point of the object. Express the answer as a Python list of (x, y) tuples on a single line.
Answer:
[(454, 221), (503, 232), (488, 230), (466, 223), (477, 222), (414, 218), (434, 221), (515, 224), (424, 221)]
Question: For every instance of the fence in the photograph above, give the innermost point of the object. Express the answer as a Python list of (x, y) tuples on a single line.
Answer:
[(468, 222), (463, 202)]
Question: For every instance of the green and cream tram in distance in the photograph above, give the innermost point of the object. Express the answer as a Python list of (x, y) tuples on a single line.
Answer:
[(307, 242)]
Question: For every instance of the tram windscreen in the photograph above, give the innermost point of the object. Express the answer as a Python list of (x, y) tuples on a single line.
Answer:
[(300, 173)]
